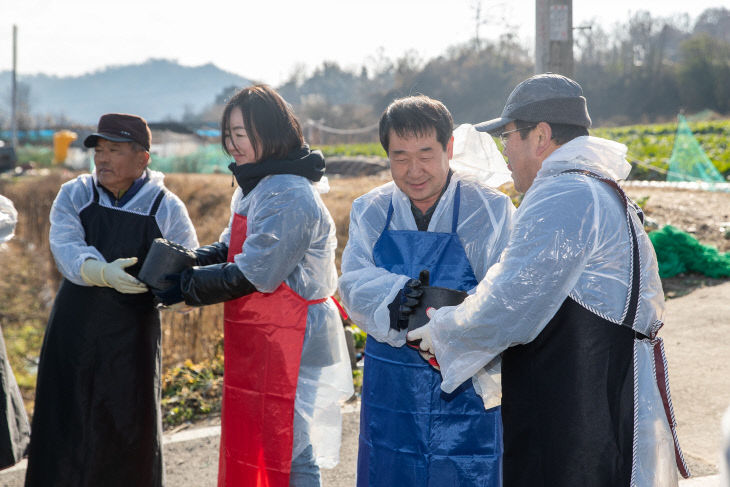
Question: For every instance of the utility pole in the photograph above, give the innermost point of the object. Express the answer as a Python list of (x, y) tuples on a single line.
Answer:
[(554, 36), (14, 92), (477, 7)]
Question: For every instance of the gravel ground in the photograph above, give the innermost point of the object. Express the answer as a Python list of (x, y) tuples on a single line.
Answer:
[(191, 456)]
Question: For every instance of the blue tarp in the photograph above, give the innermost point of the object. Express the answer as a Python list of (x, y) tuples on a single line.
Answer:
[(28, 134)]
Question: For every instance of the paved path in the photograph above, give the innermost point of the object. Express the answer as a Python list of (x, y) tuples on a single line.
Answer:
[(695, 336), (191, 459)]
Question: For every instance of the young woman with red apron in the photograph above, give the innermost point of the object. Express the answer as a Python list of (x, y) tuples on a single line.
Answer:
[(286, 362)]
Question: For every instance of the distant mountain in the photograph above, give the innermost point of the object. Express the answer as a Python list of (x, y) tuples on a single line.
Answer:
[(157, 89)]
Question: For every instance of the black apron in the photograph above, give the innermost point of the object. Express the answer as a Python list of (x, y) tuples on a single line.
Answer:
[(97, 410), (568, 397)]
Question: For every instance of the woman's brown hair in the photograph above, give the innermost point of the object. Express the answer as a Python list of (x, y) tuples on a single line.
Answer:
[(270, 123)]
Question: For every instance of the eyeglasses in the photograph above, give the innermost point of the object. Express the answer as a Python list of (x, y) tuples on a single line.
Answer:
[(505, 135)]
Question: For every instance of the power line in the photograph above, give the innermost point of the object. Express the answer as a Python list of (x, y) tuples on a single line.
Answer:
[(649, 166), (332, 130), (689, 179)]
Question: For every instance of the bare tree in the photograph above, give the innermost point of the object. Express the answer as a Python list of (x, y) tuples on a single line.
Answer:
[(491, 13), (715, 22)]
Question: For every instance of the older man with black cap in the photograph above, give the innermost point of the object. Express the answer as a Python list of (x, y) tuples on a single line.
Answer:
[(97, 412), (573, 306)]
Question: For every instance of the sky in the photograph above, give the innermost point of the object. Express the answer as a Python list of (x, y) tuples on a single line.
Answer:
[(269, 40)]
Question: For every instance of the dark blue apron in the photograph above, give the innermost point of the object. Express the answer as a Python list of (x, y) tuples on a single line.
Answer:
[(97, 410), (411, 432)]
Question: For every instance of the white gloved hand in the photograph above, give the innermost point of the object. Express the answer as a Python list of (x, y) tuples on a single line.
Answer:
[(424, 335), (97, 273), (422, 338)]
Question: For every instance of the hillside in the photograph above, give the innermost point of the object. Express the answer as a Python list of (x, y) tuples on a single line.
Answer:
[(159, 89)]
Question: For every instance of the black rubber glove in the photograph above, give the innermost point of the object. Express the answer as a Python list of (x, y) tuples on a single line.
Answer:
[(404, 303), (212, 284), (171, 295), (215, 253), (425, 277)]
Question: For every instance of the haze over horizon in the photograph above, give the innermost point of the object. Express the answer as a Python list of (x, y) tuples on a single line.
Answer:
[(269, 44)]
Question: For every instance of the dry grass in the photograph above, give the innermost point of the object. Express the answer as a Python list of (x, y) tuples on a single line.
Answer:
[(207, 197), (31, 278), (343, 192)]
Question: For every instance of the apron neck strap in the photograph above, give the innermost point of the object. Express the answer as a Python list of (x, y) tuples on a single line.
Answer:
[(390, 214), (455, 218), (96, 192), (156, 204), (457, 200), (633, 302)]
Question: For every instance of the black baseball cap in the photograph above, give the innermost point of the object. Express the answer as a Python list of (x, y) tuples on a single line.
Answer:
[(121, 127), (544, 97)]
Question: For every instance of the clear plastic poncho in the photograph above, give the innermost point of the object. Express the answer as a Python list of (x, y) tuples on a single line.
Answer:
[(67, 236), (570, 238), (485, 217), (476, 155), (290, 237), (8, 219)]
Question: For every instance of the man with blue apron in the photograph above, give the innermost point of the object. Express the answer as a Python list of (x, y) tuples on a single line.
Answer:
[(430, 218)]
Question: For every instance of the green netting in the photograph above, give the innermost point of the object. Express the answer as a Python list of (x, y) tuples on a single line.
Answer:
[(207, 159), (688, 161), (679, 252)]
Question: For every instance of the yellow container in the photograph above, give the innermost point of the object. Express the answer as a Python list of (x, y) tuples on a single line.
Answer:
[(61, 140)]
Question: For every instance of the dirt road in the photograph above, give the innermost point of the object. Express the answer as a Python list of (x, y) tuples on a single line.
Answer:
[(695, 335)]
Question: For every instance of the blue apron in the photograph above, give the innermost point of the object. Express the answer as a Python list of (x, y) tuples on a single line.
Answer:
[(411, 432)]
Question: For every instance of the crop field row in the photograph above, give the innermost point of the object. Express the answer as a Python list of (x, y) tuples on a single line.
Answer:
[(648, 145)]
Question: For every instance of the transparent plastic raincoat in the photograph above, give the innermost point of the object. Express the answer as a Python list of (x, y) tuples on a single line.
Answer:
[(8, 219), (290, 238), (67, 234), (97, 414), (367, 290), (14, 427), (411, 433), (571, 240)]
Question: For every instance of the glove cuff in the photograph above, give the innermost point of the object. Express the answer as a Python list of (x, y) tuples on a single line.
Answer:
[(214, 284), (216, 253), (92, 272), (103, 279), (394, 307)]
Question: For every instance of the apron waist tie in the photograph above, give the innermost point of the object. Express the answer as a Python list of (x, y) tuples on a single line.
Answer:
[(343, 313), (662, 381)]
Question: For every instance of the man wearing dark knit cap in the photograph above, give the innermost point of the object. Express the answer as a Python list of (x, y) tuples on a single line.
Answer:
[(573, 306), (97, 411)]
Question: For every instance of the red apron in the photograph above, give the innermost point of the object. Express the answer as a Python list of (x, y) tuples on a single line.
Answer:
[(263, 335)]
